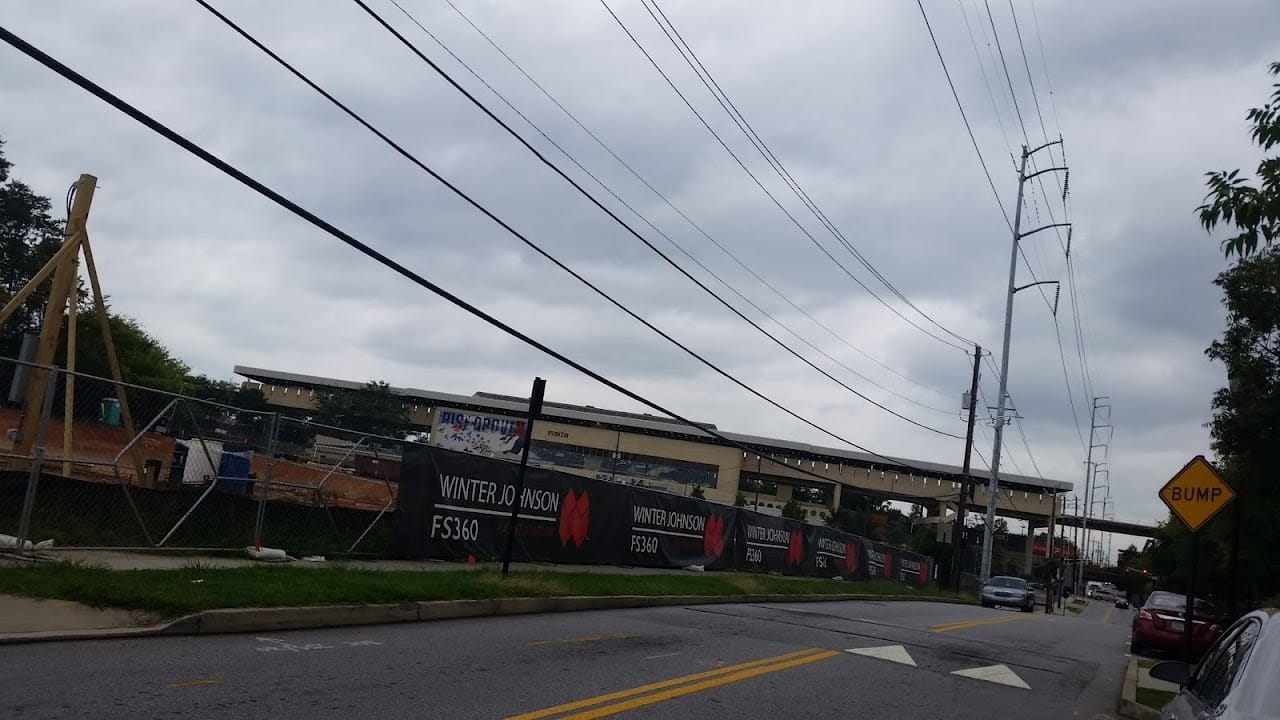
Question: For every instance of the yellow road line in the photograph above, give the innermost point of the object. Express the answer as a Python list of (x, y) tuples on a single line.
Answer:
[(1107, 615), (192, 683), (696, 687), (621, 694), (948, 627)]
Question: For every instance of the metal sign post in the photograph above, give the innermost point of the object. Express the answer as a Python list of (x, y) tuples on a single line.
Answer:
[(1195, 495), (535, 409)]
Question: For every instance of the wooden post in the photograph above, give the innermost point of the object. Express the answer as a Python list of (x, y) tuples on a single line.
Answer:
[(69, 401), (51, 324), (126, 415)]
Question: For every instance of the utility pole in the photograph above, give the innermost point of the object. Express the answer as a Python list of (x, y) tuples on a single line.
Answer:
[(994, 487), (1099, 403), (966, 483)]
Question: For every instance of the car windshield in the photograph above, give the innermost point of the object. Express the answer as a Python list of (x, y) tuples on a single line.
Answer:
[(1009, 582)]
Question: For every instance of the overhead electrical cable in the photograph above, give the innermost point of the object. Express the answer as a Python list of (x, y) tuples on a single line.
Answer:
[(409, 156), (764, 189), (1086, 381), (363, 248), (986, 79), (667, 237), (565, 176), (726, 103), (964, 116)]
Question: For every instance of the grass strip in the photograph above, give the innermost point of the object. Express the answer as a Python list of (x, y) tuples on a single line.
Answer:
[(1154, 699), (170, 593)]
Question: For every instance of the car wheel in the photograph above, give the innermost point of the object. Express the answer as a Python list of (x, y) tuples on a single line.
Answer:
[(986, 604)]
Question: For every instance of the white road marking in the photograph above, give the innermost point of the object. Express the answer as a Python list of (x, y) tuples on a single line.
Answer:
[(995, 673), (892, 653), (664, 655)]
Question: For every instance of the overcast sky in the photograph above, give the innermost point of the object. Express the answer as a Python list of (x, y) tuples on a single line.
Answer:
[(850, 97)]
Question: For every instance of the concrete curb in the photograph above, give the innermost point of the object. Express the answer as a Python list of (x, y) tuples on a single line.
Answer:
[(1129, 706), (246, 620)]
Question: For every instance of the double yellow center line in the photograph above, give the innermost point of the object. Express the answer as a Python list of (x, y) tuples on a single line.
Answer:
[(622, 700)]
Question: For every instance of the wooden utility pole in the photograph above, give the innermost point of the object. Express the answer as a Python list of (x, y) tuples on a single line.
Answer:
[(962, 507)]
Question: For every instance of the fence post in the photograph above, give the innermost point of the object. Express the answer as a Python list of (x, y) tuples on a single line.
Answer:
[(33, 477), (266, 484)]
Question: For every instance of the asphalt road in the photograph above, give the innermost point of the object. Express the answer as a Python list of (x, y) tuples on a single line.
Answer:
[(912, 660)]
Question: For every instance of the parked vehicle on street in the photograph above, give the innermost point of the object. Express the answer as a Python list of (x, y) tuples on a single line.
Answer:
[(1003, 590), (1236, 680), (1122, 602), (1159, 625)]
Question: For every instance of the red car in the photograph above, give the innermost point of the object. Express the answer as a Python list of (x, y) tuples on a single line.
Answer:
[(1158, 625)]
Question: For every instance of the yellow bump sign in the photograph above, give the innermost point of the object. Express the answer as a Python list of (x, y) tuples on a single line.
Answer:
[(1196, 493)]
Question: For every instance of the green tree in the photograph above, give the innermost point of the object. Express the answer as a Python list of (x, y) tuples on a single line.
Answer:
[(143, 360), (697, 493), (29, 236), (372, 409), (793, 510), (1245, 428), (1253, 210)]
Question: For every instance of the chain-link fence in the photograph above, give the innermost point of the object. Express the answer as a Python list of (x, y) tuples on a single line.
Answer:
[(94, 463)]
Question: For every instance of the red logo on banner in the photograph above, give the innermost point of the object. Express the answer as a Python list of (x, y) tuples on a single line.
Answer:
[(850, 555), (713, 536), (575, 511), (795, 548), (924, 572), (888, 564)]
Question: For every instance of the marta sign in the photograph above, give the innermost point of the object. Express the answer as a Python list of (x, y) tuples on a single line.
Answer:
[(1196, 493)]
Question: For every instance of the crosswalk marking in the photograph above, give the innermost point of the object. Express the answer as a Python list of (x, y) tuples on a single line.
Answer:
[(994, 673), (892, 653)]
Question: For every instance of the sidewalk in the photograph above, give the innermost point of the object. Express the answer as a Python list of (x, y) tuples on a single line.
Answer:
[(20, 615)]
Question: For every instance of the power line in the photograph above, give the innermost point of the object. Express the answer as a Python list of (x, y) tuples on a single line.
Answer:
[(761, 185), (670, 204), (382, 259), (963, 116), (581, 190), (722, 98), (1021, 250), (1086, 382), (1007, 77), (986, 80)]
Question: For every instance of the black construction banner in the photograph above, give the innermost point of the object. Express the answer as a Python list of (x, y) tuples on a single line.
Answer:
[(768, 543), (890, 563), (673, 531), (455, 505), (914, 569), (830, 553), (879, 559)]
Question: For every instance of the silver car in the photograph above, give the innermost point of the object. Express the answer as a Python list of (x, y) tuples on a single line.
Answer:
[(1003, 590), (1236, 680)]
